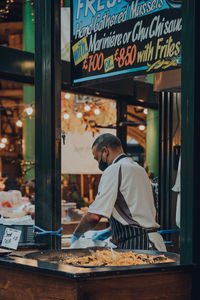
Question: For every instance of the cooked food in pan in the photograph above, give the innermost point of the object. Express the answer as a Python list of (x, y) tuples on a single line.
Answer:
[(115, 258)]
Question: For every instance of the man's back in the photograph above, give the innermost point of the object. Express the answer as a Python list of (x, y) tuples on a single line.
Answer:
[(136, 190)]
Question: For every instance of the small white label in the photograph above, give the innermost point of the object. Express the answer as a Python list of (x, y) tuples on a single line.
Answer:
[(11, 238)]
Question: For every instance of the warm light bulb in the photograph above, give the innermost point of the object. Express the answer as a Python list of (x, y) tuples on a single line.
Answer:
[(97, 111), (29, 110), (145, 111), (19, 123), (79, 115), (66, 116), (67, 96), (4, 140), (87, 108), (141, 127), (2, 145)]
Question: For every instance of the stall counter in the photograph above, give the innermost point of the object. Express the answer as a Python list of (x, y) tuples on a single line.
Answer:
[(23, 279)]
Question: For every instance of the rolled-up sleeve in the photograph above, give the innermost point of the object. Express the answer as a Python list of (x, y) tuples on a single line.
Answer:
[(107, 192)]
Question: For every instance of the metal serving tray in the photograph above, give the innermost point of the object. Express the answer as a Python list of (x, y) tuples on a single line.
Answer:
[(56, 256), (4, 252)]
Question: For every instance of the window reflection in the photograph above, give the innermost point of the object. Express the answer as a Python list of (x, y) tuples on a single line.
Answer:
[(17, 150)]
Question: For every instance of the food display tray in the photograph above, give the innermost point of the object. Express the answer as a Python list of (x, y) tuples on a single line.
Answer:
[(56, 256)]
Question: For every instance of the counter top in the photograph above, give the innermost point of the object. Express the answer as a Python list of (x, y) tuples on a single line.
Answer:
[(82, 272)]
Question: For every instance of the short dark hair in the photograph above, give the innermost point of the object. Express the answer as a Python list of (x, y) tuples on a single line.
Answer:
[(108, 140)]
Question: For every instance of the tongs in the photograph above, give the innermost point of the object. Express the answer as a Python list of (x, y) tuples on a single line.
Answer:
[(93, 252), (113, 254)]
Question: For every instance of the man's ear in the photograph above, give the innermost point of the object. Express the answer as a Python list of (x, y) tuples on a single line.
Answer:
[(106, 149)]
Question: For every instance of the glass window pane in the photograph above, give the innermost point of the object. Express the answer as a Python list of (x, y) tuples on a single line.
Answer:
[(83, 119), (17, 149), (17, 21)]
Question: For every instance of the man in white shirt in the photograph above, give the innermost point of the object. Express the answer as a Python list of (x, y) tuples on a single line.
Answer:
[(124, 197)]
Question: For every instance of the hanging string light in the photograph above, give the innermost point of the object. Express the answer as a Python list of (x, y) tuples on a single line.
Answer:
[(19, 123), (141, 127), (4, 140), (87, 107), (29, 110), (2, 145), (79, 115), (86, 113), (66, 116), (145, 111), (31, 3), (5, 8), (67, 96), (97, 111)]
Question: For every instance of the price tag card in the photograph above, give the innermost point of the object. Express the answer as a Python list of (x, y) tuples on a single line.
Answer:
[(11, 238)]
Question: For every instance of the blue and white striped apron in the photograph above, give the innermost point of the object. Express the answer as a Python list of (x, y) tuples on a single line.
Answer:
[(131, 236)]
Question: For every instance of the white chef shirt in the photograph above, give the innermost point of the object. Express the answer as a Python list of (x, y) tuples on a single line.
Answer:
[(135, 188)]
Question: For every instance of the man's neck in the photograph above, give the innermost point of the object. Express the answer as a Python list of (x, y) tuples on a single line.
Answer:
[(116, 155)]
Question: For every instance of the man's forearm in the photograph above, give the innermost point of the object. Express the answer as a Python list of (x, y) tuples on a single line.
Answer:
[(88, 222)]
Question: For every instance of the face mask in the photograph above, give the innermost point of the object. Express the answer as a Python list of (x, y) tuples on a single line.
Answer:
[(102, 165)]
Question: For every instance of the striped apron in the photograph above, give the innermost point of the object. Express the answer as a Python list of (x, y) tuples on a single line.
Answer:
[(131, 236)]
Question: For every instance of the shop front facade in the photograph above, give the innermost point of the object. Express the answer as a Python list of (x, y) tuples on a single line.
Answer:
[(50, 76)]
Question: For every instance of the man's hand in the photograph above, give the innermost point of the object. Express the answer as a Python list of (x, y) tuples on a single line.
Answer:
[(74, 238), (88, 222), (101, 234)]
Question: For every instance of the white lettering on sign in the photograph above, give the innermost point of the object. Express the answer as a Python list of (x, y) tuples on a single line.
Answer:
[(94, 6), (157, 28), (11, 238), (146, 7)]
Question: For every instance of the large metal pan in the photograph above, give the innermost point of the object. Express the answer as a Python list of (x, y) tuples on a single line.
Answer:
[(57, 256)]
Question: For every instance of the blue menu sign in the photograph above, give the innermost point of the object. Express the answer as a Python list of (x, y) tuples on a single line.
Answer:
[(124, 37)]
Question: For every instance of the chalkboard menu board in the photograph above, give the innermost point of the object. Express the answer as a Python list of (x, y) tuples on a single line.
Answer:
[(112, 38)]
